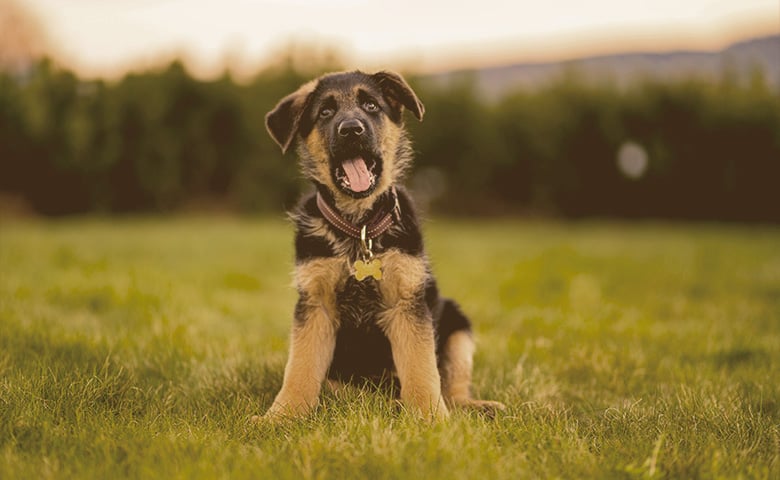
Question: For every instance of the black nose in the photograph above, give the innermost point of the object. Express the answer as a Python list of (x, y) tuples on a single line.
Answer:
[(352, 126)]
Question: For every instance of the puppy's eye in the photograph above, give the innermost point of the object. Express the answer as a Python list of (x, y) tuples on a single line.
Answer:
[(370, 106), (326, 112)]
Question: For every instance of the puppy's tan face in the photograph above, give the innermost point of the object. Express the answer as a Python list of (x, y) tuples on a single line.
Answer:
[(350, 131)]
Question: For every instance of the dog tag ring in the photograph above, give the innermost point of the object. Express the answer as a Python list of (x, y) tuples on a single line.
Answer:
[(368, 266)]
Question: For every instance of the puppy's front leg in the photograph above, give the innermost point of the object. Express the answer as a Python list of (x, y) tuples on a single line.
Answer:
[(408, 325), (313, 338), (414, 354), (312, 343)]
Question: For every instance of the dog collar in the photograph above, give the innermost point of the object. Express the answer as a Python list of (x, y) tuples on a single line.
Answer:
[(375, 227)]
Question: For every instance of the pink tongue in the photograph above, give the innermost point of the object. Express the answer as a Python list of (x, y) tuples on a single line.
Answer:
[(357, 173)]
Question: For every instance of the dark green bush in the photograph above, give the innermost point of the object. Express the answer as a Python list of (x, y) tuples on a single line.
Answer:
[(163, 140)]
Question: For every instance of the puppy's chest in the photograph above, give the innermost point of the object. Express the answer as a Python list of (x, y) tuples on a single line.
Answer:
[(359, 302), (359, 299), (336, 271)]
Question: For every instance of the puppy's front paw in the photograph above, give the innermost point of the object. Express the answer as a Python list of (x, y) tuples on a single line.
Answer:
[(439, 411), (287, 407), (429, 407)]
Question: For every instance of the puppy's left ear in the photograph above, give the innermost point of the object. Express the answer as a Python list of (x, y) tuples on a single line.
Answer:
[(399, 94), (284, 120)]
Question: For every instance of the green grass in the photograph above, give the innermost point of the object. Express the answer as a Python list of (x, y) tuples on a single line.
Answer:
[(140, 348)]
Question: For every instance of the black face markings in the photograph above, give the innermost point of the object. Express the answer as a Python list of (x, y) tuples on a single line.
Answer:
[(370, 106), (349, 118), (327, 109), (368, 102), (353, 115), (398, 95), (382, 92)]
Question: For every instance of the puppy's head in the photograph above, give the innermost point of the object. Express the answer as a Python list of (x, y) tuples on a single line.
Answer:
[(349, 131)]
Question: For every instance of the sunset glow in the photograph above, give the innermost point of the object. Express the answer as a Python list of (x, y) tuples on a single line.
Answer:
[(108, 38)]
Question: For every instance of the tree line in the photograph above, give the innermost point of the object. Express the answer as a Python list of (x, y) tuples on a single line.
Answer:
[(162, 140)]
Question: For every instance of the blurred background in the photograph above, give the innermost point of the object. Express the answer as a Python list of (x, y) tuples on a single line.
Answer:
[(612, 109)]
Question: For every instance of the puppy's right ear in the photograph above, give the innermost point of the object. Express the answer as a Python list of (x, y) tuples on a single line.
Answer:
[(284, 120)]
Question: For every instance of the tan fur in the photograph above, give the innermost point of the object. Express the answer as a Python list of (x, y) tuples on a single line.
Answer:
[(404, 276), (411, 337), (311, 351), (314, 162), (321, 277), (314, 158), (456, 373), (313, 340), (355, 209), (414, 354), (315, 165), (404, 318), (396, 167)]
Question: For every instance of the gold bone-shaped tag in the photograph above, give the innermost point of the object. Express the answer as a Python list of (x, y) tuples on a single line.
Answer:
[(371, 268)]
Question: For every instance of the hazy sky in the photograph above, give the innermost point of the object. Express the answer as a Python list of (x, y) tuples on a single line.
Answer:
[(107, 37)]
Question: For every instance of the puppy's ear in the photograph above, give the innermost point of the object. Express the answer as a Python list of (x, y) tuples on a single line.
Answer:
[(284, 120), (399, 94)]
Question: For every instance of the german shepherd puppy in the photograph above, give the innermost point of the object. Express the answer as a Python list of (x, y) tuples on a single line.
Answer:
[(368, 304)]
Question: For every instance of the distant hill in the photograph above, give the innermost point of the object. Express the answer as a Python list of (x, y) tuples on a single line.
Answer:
[(741, 58)]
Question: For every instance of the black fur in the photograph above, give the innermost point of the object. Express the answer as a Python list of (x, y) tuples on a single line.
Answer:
[(362, 350)]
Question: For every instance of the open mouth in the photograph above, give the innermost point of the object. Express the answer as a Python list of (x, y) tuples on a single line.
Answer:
[(358, 175)]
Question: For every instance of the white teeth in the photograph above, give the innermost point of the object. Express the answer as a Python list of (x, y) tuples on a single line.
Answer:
[(342, 178)]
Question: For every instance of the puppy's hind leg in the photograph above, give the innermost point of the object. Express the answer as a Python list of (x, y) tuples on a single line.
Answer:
[(457, 363)]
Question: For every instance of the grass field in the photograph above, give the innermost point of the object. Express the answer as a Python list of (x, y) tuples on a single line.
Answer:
[(139, 348)]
